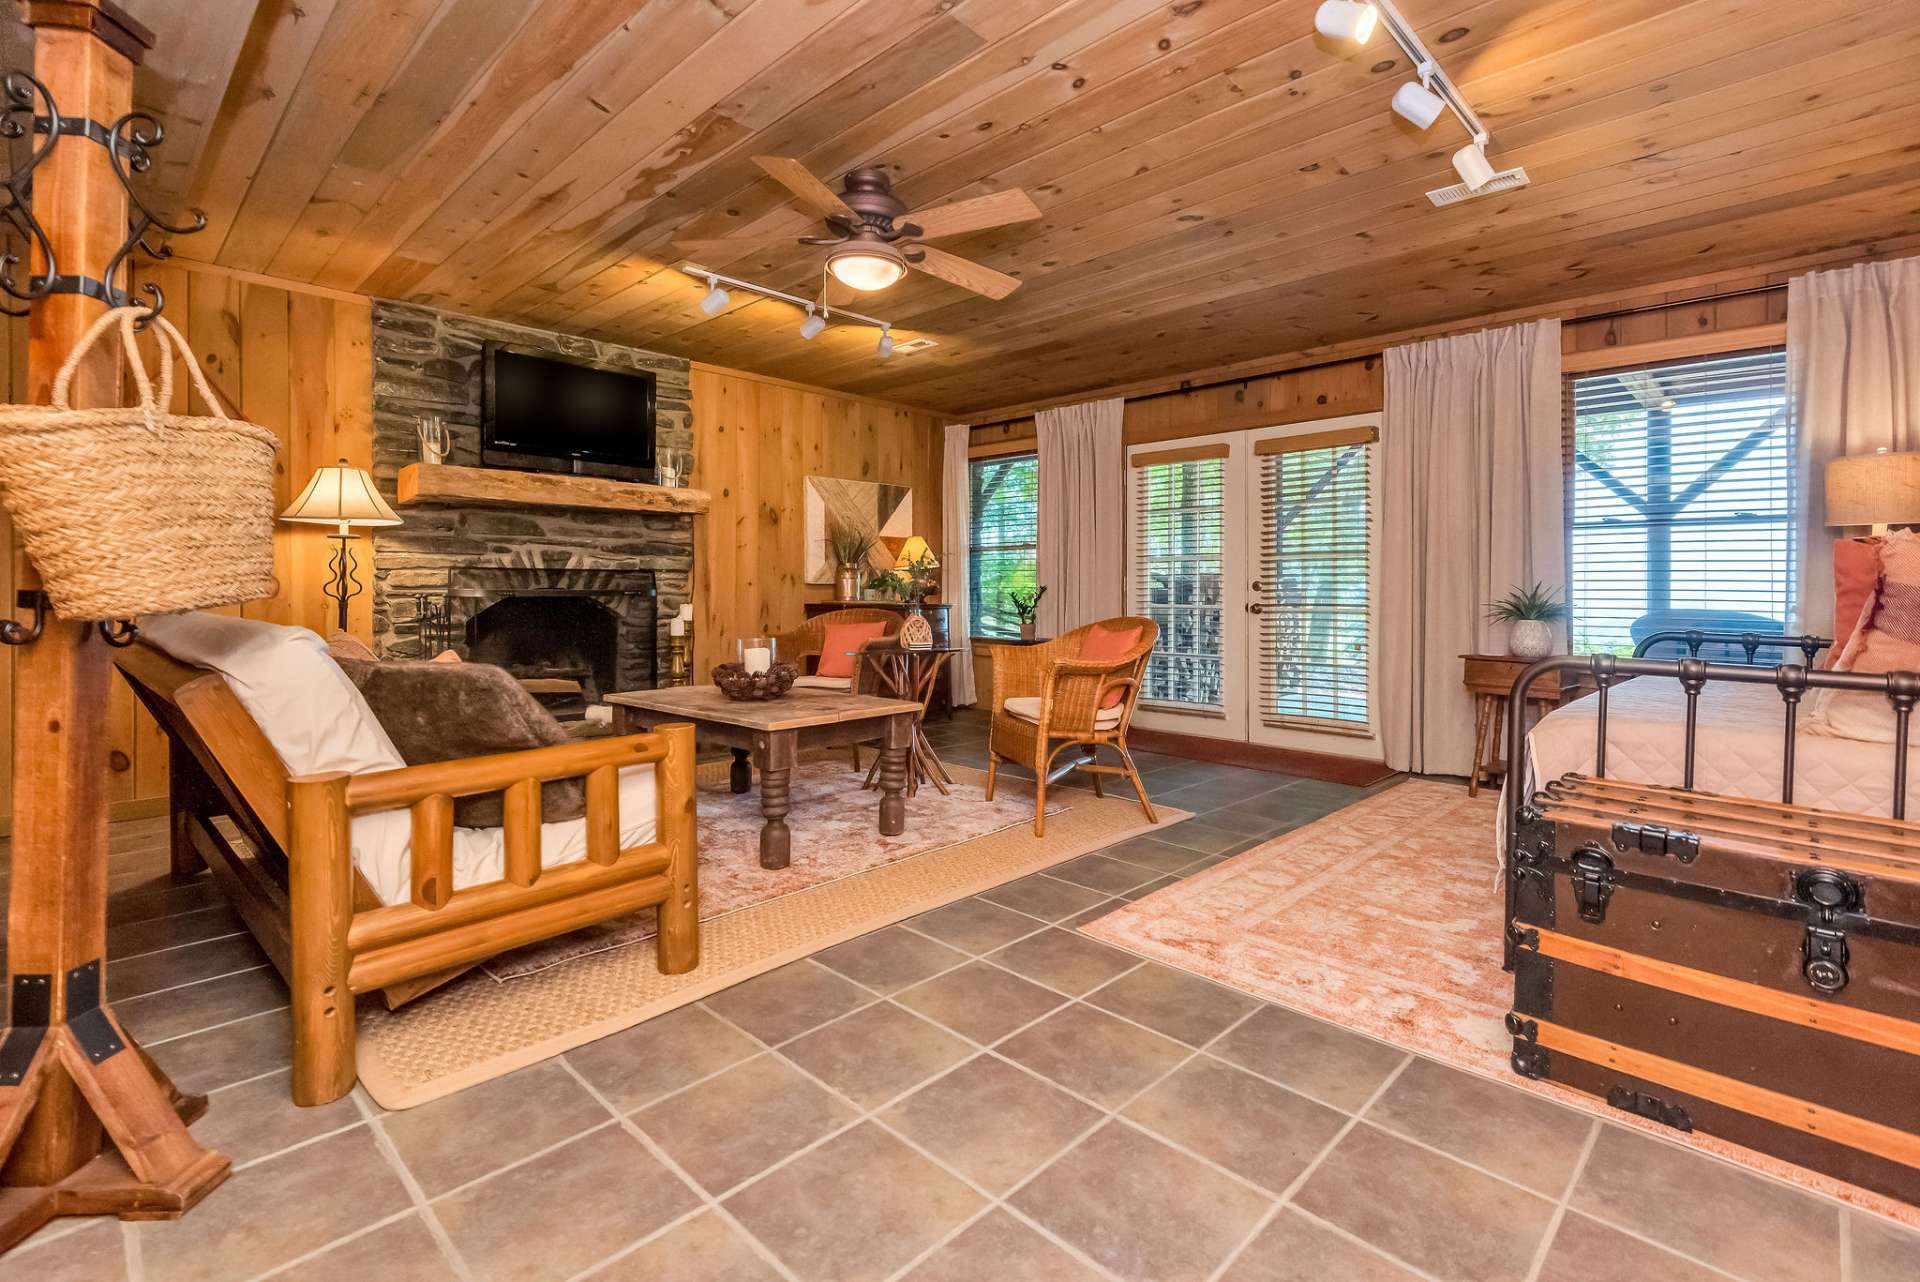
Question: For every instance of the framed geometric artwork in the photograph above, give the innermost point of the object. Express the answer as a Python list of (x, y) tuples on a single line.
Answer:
[(884, 511)]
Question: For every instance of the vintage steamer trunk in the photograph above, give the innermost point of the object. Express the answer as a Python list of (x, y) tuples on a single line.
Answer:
[(1746, 969)]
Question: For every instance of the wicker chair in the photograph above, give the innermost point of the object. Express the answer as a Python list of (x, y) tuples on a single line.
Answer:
[(802, 645), (1046, 700)]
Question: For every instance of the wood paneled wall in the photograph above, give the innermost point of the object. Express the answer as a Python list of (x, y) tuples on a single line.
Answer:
[(756, 440), (297, 363)]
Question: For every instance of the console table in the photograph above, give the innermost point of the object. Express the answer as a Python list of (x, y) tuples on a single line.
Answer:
[(940, 702)]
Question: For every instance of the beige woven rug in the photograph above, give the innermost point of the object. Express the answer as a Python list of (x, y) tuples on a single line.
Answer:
[(478, 1028)]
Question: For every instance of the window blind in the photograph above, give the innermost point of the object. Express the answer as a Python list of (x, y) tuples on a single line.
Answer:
[(1682, 500), (1313, 593), (1003, 530), (1179, 515)]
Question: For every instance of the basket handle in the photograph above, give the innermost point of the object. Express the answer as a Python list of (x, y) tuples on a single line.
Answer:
[(169, 341)]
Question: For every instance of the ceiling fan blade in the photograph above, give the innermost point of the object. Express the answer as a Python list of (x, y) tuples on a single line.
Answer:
[(812, 193), (977, 214), (966, 274), (731, 245)]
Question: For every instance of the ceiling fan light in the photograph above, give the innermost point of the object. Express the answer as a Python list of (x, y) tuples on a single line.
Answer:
[(867, 266), (1346, 20), (1417, 104), (813, 324), (716, 299), (885, 346), (1471, 163)]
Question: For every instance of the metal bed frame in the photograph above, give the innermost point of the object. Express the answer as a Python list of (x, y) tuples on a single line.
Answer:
[(1793, 680)]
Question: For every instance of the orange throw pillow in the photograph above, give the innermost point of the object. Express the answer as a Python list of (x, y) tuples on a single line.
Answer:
[(1886, 639), (1856, 570), (836, 657), (1103, 645)]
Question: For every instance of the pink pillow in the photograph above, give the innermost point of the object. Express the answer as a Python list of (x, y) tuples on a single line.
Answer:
[(1856, 569), (836, 658), (1103, 645), (1886, 638)]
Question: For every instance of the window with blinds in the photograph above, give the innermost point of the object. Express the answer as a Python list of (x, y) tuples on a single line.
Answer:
[(1314, 561), (1179, 515), (1004, 521), (1682, 493)]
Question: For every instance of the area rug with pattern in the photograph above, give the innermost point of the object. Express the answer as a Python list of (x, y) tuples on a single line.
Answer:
[(1385, 918), (845, 879)]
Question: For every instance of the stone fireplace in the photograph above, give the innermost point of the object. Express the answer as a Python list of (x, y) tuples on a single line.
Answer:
[(577, 594)]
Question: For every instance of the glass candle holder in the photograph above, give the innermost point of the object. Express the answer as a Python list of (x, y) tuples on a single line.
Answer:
[(757, 654)]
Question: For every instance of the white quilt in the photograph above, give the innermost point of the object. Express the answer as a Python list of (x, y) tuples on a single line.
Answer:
[(1738, 752)]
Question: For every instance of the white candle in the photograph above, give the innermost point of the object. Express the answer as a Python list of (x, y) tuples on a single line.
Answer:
[(757, 659), (686, 612), (676, 627)]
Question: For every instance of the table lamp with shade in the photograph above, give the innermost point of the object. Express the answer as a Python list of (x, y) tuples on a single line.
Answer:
[(1875, 490), (344, 497)]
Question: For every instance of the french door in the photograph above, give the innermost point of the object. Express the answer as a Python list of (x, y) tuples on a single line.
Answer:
[(1254, 551)]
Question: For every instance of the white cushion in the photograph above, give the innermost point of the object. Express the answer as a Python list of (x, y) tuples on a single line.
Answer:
[(310, 712), (317, 720), (1027, 708), (823, 683)]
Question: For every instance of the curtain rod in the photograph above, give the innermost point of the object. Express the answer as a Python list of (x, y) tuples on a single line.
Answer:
[(1614, 314)]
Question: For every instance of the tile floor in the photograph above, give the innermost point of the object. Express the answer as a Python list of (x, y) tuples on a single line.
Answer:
[(978, 1093)]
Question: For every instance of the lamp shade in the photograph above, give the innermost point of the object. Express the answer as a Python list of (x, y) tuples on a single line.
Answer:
[(1878, 489), (915, 549), (341, 495)]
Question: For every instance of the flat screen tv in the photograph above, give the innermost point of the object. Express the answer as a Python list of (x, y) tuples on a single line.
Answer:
[(558, 410)]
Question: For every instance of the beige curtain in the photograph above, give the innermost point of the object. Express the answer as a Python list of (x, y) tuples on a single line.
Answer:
[(1472, 497), (955, 542), (1083, 524), (1853, 381)]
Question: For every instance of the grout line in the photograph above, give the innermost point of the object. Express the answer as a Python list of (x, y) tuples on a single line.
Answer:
[(391, 1152), (116, 959), (174, 988), (280, 1270), (209, 1028), (1545, 1246), (1347, 1235)]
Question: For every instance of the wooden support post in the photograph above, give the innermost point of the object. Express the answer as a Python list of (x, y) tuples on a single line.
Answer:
[(320, 874), (88, 1125), (678, 944)]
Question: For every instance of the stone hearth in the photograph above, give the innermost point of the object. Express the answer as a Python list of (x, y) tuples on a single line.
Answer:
[(429, 362)]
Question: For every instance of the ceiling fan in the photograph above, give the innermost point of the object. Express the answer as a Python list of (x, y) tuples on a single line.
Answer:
[(874, 237)]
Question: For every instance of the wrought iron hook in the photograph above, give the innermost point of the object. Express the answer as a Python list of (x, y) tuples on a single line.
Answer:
[(119, 633), (20, 88), (14, 632)]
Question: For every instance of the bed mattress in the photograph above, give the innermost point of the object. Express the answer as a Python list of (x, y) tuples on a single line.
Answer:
[(383, 843), (1739, 748)]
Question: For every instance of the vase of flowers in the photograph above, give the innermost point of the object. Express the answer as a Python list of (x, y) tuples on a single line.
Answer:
[(1026, 608), (1529, 614), (850, 548)]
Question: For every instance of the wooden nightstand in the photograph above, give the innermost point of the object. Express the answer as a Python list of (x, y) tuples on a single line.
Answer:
[(1489, 678)]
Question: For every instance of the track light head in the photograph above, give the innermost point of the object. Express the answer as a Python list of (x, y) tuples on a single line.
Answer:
[(1417, 104), (1346, 20), (1471, 163), (885, 346), (813, 324), (716, 299)]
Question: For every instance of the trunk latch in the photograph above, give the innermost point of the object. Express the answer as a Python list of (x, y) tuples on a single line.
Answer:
[(1593, 879), (1656, 839), (1824, 955)]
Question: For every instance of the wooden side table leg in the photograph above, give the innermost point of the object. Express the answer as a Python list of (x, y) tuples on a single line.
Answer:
[(740, 774), (1499, 732), (777, 757), (1483, 704)]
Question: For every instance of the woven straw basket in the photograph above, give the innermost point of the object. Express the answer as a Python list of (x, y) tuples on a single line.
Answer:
[(129, 511)]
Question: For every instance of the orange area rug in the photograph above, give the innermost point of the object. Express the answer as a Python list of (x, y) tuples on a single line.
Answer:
[(1384, 918)]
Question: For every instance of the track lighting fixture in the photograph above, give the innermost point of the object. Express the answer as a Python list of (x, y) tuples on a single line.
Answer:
[(1471, 163), (1346, 20), (818, 313), (1417, 104)]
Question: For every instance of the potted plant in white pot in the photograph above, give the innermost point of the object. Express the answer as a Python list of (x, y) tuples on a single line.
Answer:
[(1529, 614)]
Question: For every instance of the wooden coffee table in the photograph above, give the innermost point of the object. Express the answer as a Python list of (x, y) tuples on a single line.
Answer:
[(773, 733)]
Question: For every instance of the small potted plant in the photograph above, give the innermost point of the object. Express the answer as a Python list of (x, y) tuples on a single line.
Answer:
[(1529, 614), (916, 580), (850, 548), (1026, 606), (883, 585)]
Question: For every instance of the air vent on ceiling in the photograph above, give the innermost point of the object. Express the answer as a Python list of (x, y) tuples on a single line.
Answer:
[(913, 345), (1505, 180)]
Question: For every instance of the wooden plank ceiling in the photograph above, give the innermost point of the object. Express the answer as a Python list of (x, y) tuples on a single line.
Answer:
[(1218, 183)]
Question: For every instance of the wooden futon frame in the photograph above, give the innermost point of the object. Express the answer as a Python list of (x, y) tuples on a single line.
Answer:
[(295, 886)]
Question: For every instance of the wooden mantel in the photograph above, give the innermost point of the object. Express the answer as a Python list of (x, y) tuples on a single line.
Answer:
[(498, 487)]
